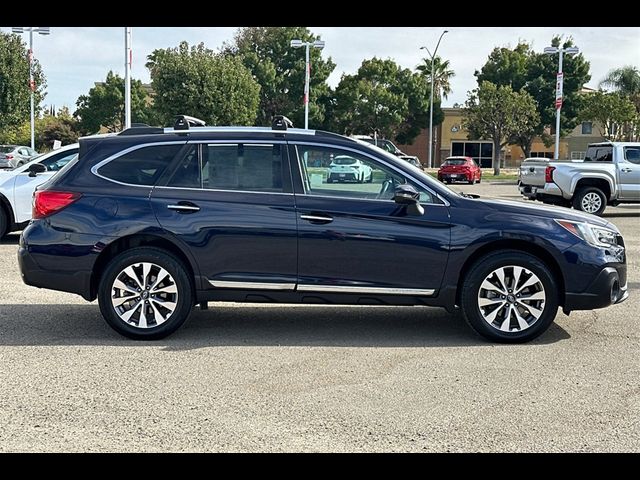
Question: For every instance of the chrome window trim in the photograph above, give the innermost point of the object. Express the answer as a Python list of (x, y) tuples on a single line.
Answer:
[(239, 284), (295, 144), (216, 190), (100, 164), (425, 292)]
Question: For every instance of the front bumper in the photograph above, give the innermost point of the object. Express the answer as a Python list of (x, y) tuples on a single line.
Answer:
[(608, 288)]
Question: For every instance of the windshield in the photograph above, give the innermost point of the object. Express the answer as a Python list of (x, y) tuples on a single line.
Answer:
[(415, 171), (5, 149), (344, 160), (458, 161)]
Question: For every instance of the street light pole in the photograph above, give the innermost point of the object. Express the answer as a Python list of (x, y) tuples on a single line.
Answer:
[(429, 162), (127, 77), (319, 44), (32, 84), (559, 84)]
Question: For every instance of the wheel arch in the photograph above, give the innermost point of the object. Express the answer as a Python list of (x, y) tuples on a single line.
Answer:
[(602, 183), (134, 241), (5, 205), (536, 250)]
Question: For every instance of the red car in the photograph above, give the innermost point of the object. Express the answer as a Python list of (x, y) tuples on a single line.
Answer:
[(463, 169)]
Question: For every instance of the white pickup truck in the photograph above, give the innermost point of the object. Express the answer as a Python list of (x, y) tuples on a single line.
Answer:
[(608, 175)]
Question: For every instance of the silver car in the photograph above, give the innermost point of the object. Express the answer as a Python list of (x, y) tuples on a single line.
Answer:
[(12, 156)]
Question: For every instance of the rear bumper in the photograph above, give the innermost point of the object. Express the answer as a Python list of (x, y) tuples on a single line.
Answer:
[(537, 193), (606, 289), (454, 176), (58, 261)]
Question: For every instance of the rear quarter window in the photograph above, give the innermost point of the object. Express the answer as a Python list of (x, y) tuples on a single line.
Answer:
[(142, 166)]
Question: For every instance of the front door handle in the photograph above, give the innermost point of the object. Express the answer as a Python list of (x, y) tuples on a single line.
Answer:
[(625, 170), (317, 218), (184, 207)]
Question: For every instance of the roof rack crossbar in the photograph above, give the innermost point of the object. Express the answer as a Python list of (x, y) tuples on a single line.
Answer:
[(280, 122), (184, 122)]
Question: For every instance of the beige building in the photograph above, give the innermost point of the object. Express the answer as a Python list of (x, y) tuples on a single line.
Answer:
[(452, 139)]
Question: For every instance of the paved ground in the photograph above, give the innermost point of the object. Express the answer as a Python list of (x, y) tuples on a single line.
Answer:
[(253, 378)]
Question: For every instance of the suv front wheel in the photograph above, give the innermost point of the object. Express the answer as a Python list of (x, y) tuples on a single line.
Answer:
[(509, 297), (145, 294)]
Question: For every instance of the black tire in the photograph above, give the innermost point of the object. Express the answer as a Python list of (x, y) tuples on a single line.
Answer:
[(481, 270), (329, 179), (161, 258), (370, 177), (448, 182), (479, 179), (361, 179), (471, 181), (581, 203), (20, 163), (3, 222)]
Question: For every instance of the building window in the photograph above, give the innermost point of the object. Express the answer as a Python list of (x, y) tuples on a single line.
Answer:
[(541, 155), (577, 155), (481, 152), (587, 128)]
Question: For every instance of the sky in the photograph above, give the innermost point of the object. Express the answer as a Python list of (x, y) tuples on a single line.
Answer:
[(73, 58)]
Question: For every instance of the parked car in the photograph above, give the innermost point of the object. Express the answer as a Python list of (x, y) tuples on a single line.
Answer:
[(390, 147), (17, 186), (608, 175), (12, 156), (463, 169), (154, 221), (345, 168)]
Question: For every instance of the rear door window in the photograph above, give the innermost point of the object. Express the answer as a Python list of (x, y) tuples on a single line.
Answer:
[(632, 154)]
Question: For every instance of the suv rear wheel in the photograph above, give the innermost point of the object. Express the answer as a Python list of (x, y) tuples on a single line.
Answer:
[(145, 294), (509, 297), (3, 222)]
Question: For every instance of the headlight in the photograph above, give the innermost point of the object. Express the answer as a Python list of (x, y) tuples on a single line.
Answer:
[(596, 236)]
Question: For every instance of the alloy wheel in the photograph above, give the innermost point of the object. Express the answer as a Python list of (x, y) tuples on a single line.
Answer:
[(511, 298)]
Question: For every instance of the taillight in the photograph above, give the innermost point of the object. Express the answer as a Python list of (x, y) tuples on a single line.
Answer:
[(9, 156), (548, 174), (46, 202)]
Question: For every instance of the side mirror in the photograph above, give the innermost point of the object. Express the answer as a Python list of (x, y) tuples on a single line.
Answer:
[(407, 195), (36, 168)]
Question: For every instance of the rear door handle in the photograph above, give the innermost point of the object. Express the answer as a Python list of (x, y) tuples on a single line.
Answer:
[(184, 207), (317, 218), (625, 170)]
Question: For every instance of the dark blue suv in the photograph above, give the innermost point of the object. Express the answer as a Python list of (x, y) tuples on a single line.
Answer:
[(154, 221)]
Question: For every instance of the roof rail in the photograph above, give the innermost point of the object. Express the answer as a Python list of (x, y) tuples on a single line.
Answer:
[(141, 129), (280, 122), (184, 122)]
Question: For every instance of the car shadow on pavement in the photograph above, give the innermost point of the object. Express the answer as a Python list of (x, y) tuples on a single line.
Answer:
[(10, 239), (251, 325)]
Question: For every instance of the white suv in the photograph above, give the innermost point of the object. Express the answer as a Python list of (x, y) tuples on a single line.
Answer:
[(17, 186), (345, 168)]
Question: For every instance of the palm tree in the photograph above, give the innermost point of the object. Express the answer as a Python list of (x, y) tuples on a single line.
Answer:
[(625, 80), (441, 75)]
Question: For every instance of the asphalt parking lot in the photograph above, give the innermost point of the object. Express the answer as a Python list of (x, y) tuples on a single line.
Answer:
[(315, 378)]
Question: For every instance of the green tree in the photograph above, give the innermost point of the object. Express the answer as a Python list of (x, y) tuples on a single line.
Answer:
[(48, 128), (62, 126), (280, 71), (614, 114), (103, 106), (442, 76), (197, 81), (14, 82), (625, 80), (522, 69), (382, 96), (499, 114)]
